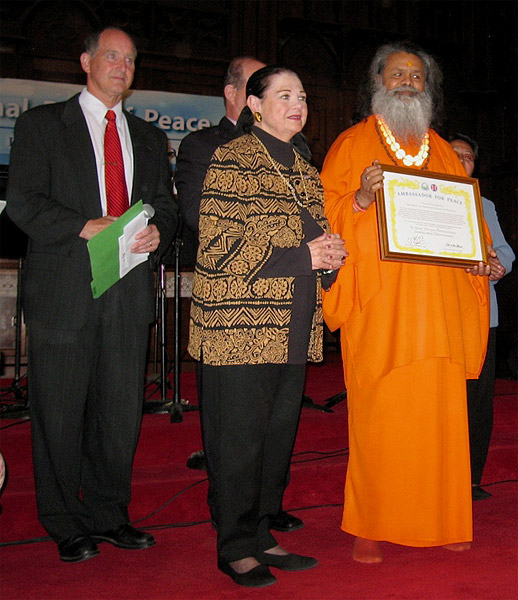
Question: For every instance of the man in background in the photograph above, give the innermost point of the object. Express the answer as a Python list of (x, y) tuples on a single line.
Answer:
[(481, 390), (197, 148), (75, 167), (194, 155)]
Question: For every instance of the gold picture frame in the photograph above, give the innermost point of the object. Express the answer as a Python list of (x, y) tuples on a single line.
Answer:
[(430, 218)]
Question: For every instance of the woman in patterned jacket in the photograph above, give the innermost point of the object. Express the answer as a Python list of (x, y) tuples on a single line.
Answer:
[(256, 318)]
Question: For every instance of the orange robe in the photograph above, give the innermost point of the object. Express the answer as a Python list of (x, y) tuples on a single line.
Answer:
[(410, 335)]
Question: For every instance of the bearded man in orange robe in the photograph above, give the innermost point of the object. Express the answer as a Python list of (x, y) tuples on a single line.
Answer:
[(411, 334)]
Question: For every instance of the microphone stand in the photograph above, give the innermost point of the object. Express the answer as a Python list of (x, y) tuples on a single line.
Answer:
[(176, 409), (160, 329), (337, 398), (177, 405), (334, 400)]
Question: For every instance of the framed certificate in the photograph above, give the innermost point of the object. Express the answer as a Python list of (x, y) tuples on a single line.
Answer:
[(432, 218)]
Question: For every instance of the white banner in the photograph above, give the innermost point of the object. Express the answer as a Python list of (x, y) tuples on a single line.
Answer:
[(176, 114)]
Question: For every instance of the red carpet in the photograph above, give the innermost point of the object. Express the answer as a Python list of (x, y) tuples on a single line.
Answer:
[(169, 500)]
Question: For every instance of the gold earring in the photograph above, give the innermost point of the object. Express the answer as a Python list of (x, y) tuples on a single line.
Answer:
[(258, 116)]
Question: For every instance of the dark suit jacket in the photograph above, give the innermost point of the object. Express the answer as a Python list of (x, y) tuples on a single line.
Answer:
[(53, 191), (192, 163)]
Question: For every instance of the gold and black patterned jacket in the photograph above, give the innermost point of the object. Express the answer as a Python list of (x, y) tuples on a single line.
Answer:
[(247, 210)]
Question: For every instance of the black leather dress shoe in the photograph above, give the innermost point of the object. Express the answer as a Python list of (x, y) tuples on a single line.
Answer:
[(287, 562), (259, 576), (77, 548), (286, 522), (478, 493), (126, 537)]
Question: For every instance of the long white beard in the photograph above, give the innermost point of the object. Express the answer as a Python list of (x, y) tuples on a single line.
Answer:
[(408, 117)]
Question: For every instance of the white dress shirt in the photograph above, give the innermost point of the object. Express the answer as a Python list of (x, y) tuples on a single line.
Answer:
[(95, 114)]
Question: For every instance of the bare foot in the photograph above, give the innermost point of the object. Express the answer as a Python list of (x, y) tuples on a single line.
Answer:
[(367, 551), (244, 565), (458, 547)]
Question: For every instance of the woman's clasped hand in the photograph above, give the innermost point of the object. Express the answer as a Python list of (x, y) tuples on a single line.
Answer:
[(327, 252)]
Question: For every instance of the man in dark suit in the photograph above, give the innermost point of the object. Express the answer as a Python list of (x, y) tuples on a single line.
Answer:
[(197, 148), (86, 356), (193, 160)]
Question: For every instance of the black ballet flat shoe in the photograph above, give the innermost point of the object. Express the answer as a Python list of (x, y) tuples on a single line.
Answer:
[(197, 461), (283, 521), (259, 576), (478, 493), (126, 537), (76, 549), (287, 562)]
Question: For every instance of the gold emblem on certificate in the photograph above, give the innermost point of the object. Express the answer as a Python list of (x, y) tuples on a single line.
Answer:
[(429, 217)]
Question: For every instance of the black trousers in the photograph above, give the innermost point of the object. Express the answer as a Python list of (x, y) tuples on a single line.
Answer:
[(480, 410), (85, 399), (206, 433), (250, 417)]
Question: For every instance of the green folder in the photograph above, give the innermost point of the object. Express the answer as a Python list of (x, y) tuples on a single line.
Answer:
[(104, 251)]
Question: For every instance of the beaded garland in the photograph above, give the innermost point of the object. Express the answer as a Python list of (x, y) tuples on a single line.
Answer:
[(407, 159)]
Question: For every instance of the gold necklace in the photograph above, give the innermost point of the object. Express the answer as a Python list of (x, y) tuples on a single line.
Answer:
[(285, 179), (407, 159)]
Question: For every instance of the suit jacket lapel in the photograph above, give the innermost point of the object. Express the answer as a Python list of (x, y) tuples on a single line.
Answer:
[(82, 156)]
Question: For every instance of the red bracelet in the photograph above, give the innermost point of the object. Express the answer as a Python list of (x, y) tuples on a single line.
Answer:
[(356, 206)]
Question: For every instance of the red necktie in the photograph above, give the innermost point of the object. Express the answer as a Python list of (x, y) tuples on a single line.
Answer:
[(116, 191)]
